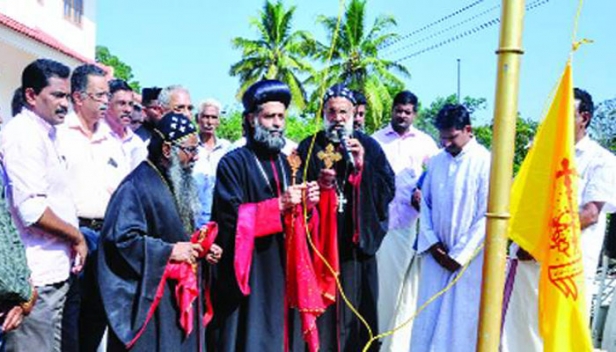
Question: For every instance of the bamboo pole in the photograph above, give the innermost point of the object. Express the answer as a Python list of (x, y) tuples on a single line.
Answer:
[(501, 173)]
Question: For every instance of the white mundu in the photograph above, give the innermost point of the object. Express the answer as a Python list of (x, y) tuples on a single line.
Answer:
[(398, 266)]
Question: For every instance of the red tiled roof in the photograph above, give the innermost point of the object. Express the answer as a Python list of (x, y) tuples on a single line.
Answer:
[(41, 37)]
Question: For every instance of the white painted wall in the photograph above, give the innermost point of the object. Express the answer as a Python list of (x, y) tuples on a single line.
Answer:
[(18, 50), (48, 16)]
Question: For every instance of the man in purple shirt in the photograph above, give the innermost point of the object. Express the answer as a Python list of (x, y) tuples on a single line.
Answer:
[(407, 150), (41, 206)]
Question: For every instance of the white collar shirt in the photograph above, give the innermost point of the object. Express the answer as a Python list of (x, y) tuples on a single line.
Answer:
[(38, 179), (408, 155)]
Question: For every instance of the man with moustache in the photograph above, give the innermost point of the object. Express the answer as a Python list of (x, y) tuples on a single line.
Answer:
[(119, 118), (176, 98), (408, 151), (153, 112), (253, 192), (152, 219), (351, 167), (211, 151), (95, 167), (40, 202)]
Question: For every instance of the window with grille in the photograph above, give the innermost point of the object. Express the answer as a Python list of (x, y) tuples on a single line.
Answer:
[(73, 10)]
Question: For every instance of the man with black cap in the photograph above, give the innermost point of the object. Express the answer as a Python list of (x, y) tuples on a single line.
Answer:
[(254, 189), (149, 267), (153, 112), (353, 174)]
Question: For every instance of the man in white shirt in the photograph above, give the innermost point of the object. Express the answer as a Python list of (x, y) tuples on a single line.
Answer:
[(596, 168), (41, 205), (176, 98), (408, 151), (118, 117), (95, 167), (452, 228), (211, 150)]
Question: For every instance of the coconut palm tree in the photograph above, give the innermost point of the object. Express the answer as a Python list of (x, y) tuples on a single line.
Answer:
[(355, 60), (278, 52)]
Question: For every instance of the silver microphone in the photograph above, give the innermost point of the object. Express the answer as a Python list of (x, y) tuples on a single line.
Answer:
[(347, 153)]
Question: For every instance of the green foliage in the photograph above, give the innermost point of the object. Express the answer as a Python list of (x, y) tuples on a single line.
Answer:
[(296, 127), (426, 116), (121, 70), (602, 126), (230, 126), (483, 135), (355, 61), (525, 130), (278, 53)]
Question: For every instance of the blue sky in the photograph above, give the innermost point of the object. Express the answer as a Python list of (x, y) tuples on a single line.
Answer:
[(188, 42)]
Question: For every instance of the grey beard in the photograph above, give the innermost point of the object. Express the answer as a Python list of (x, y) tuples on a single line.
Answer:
[(263, 136), (330, 130), (184, 191)]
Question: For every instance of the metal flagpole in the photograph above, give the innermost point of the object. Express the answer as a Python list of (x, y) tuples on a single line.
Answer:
[(501, 173)]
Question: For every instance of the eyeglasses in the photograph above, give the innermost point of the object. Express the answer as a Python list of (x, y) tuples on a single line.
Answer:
[(189, 150), (180, 108), (100, 96)]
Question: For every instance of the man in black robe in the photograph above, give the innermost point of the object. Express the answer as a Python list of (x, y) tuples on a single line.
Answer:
[(364, 183), (253, 190), (145, 237)]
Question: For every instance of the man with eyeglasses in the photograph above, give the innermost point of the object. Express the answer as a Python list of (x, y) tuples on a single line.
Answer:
[(176, 98), (119, 117), (353, 172), (95, 167), (40, 203), (147, 256)]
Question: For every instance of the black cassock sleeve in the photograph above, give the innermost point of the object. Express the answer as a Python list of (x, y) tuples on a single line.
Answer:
[(131, 261), (228, 196), (377, 190)]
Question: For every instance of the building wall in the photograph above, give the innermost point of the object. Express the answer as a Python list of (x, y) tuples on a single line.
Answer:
[(48, 16), (18, 50)]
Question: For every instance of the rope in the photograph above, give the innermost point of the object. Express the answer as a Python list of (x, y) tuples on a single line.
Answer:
[(305, 176), (428, 302)]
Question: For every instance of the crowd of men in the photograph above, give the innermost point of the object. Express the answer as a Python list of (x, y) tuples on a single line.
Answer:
[(127, 224)]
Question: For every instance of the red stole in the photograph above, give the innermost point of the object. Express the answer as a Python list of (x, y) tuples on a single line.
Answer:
[(187, 286), (302, 287)]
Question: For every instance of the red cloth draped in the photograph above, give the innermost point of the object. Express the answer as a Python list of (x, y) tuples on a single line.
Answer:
[(302, 287), (253, 220), (355, 181), (326, 242), (187, 286)]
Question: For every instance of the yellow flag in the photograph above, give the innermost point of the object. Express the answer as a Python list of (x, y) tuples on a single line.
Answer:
[(545, 222)]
